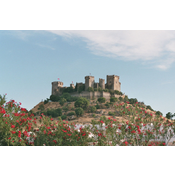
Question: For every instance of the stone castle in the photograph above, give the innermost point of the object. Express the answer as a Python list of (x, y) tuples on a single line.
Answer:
[(112, 84)]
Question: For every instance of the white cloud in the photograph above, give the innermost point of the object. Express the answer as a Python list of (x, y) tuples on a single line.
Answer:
[(45, 46), (150, 46)]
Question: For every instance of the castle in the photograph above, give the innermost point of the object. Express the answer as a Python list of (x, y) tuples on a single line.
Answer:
[(112, 84)]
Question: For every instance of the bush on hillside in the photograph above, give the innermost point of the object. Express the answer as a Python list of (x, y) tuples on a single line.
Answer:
[(63, 117), (101, 99), (93, 109), (79, 111), (65, 108), (133, 100), (62, 101), (81, 102), (158, 113), (71, 113), (149, 107), (113, 99), (54, 98)]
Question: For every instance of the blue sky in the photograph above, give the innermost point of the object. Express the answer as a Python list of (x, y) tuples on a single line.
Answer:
[(144, 60)]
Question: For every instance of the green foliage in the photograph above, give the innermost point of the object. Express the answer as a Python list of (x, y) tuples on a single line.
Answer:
[(169, 115), (111, 113), (90, 89), (93, 115), (63, 117), (106, 90), (120, 98), (41, 107), (79, 111), (158, 113), (95, 89), (68, 90), (118, 92), (107, 104), (62, 101), (53, 112), (99, 89), (111, 92), (133, 100), (54, 98), (101, 99), (46, 101), (65, 108), (71, 113), (113, 99), (81, 102), (72, 108), (97, 106), (126, 99), (149, 107), (81, 88), (93, 109)]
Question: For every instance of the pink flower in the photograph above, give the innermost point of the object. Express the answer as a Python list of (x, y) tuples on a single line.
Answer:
[(12, 126)]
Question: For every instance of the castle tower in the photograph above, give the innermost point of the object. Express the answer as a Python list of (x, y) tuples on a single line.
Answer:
[(102, 83), (89, 82), (56, 85), (72, 85), (113, 82)]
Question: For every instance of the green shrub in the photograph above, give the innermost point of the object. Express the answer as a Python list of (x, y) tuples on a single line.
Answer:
[(133, 100), (63, 117), (93, 109), (54, 98), (111, 113), (99, 89), (118, 92), (81, 102), (107, 104), (79, 111), (41, 107), (81, 88), (126, 99), (101, 99), (158, 113), (46, 101), (90, 89), (113, 99), (120, 98), (93, 115), (62, 101), (106, 90), (149, 107), (65, 108), (95, 89), (97, 106), (72, 108), (71, 113)]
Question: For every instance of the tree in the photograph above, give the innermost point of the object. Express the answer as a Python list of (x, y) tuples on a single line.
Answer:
[(79, 111), (62, 101), (81, 102), (54, 98), (113, 99), (93, 109), (158, 113), (101, 99), (169, 115), (41, 107)]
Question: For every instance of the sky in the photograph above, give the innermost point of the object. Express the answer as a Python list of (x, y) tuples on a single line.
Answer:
[(144, 61)]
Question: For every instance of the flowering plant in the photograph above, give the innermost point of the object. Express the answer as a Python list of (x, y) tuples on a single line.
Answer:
[(18, 127)]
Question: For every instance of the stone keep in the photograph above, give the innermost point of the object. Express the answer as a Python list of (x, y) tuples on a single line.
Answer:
[(113, 82), (56, 86), (89, 82)]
